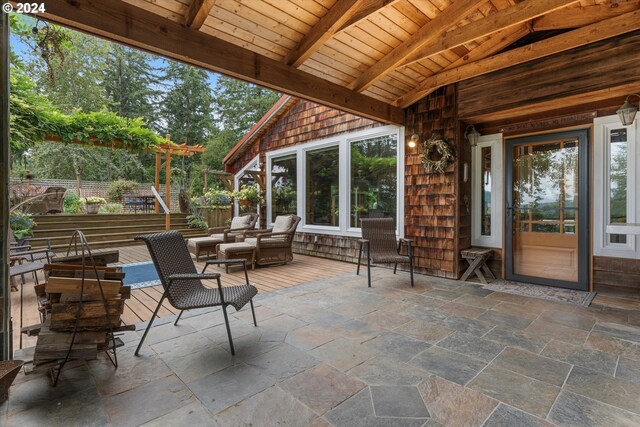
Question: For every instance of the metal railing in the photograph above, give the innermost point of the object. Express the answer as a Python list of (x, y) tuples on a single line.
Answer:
[(167, 212)]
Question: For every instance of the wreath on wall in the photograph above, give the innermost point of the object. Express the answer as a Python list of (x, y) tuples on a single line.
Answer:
[(436, 155)]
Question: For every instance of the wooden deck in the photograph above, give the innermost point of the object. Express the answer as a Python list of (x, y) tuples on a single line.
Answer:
[(144, 301)]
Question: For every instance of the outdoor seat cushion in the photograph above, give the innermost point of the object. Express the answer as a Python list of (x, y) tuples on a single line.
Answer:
[(219, 236), (230, 247), (282, 224), (240, 222), (251, 241), (199, 241)]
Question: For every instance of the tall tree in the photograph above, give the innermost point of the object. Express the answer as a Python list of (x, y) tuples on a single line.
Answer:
[(239, 105), (187, 111), (131, 83)]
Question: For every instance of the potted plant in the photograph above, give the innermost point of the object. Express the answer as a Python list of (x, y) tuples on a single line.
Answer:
[(249, 195), (92, 204), (21, 225)]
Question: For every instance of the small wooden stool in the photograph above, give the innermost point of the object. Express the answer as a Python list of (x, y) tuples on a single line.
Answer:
[(477, 259)]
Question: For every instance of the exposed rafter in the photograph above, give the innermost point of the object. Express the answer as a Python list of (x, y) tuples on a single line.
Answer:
[(328, 25), (197, 13), (369, 8), (504, 18), (124, 23), (574, 17), (495, 44), (569, 40), (430, 32)]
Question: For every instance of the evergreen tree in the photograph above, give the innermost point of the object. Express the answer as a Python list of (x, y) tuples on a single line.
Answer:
[(131, 83), (240, 105), (187, 112)]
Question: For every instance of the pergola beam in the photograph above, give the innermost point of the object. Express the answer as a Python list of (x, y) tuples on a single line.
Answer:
[(328, 25), (365, 11), (429, 33), (124, 23), (569, 40), (505, 18), (197, 13)]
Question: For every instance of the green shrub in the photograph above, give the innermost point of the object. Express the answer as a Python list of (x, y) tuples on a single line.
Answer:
[(196, 221), (250, 193), (213, 197), (72, 203), (111, 208), (119, 188), (21, 224)]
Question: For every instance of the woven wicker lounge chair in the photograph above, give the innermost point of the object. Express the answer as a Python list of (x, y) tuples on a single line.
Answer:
[(207, 245), (379, 243), (183, 284), (273, 246)]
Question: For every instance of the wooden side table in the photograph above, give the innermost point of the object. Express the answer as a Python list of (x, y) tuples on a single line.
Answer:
[(477, 259)]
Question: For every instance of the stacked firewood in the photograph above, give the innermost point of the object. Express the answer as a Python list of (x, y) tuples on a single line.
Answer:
[(66, 312)]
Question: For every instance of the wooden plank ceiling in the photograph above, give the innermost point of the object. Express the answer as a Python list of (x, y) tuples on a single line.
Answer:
[(369, 57)]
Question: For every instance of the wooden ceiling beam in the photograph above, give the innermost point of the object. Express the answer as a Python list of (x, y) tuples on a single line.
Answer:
[(574, 17), (514, 15), (328, 25), (130, 25), (429, 33), (495, 44), (197, 13), (369, 8), (569, 40)]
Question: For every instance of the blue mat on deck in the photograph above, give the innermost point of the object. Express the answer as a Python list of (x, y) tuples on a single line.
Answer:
[(140, 275)]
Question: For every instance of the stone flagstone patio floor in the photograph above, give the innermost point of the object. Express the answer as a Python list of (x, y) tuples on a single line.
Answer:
[(334, 352)]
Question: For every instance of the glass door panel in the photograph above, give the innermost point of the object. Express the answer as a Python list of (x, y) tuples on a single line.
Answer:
[(544, 210)]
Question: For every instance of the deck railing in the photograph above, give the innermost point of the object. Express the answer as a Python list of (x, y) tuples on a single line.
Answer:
[(167, 212)]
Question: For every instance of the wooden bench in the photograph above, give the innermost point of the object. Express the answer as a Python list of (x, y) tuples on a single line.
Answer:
[(477, 259)]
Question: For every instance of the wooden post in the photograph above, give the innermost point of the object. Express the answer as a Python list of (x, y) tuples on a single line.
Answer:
[(167, 165), (158, 166)]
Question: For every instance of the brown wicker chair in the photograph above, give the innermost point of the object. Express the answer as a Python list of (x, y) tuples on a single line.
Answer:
[(379, 242), (183, 284), (207, 245), (273, 246)]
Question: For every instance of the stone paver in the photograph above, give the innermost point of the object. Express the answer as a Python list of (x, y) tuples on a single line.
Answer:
[(398, 401), (322, 387), (336, 353), (452, 404)]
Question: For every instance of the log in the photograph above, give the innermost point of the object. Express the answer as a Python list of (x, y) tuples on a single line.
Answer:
[(110, 288)]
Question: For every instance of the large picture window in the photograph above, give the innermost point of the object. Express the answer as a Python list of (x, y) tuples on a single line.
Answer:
[(323, 187), (616, 158), (284, 185), (335, 182), (374, 178)]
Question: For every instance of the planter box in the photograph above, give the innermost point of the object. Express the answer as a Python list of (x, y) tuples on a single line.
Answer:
[(216, 216), (92, 208)]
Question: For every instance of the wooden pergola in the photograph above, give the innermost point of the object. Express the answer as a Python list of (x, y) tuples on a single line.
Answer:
[(166, 149), (368, 57)]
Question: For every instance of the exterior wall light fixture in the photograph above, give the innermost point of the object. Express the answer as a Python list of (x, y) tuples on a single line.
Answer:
[(627, 112)]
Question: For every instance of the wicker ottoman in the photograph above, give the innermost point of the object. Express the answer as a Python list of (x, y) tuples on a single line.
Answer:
[(237, 251), (203, 245)]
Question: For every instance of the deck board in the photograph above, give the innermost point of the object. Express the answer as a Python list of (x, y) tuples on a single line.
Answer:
[(144, 301)]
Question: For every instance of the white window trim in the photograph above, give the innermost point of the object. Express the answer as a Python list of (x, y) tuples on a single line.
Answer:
[(343, 142), (601, 151), (497, 189), (253, 164)]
